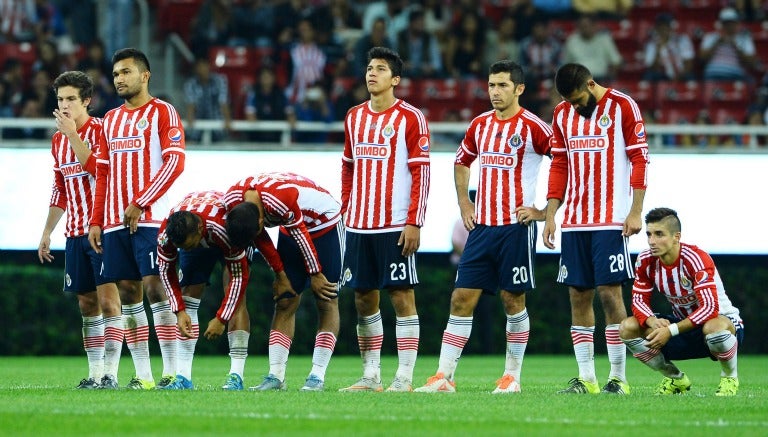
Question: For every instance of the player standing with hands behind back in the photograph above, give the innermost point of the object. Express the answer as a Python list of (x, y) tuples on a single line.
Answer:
[(599, 164), (384, 189)]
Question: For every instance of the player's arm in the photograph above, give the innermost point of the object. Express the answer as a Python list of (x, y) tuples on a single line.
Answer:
[(66, 125), (347, 169), (557, 183), (461, 174), (634, 223), (418, 142), (542, 135), (237, 266), (96, 220), (44, 248), (635, 136)]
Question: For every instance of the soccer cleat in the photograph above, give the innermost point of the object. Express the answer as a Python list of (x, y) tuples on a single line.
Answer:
[(313, 383), (140, 384), (108, 382), (400, 384), (506, 384), (364, 384), (270, 383), (234, 382), (581, 386), (165, 381), (179, 383), (671, 386), (728, 386), (437, 384), (616, 386), (88, 384)]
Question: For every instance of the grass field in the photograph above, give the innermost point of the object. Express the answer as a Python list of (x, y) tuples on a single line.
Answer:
[(36, 398)]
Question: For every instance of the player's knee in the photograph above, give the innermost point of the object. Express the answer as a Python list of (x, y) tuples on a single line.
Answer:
[(629, 328), (717, 324), (287, 306)]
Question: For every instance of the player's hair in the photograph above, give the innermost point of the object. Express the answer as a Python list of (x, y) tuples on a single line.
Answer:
[(570, 78), (130, 53), (506, 66), (390, 56), (179, 226), (243, 224), (76, 79), (667, 215)]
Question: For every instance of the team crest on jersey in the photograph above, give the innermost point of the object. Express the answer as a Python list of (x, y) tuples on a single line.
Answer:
[(604, 122), (563, 273), (685, 282), (162, 239), (515, 141), (388, 131), (424, 143), (142, 124), (640, 130), (68, 280), (174, 134), (347, 276)]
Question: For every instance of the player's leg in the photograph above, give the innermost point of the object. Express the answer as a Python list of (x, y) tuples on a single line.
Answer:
[(280, 338), (722, 340), (239, 332), (109, 301), (185, 352), (517, 331)]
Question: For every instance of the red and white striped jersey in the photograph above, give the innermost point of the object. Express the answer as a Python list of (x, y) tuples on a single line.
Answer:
[(209, 206), (296, 204), (385, 168), (73, 182), (691, 284), (510, 153), (140, 156), (599, 160)]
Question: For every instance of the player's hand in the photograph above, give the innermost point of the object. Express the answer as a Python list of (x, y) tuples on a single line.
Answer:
[(184, 323), (548, 235), (654, 322), (468, 215), (215, 329), (658, 338), (65, 124), (44, 249), (527, 214), (94, 237), (410, 240), (281, 287), (323, 289), (632, 225), (131, 217)]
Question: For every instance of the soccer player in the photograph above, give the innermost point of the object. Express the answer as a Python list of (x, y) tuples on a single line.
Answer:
[(140, 155), (74, 168), (703, 323), (510, 142), (599, 164), (384, 190), (310, 247), (197, 227)]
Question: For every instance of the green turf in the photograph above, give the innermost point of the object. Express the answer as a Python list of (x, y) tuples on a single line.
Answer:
[(36, 398)]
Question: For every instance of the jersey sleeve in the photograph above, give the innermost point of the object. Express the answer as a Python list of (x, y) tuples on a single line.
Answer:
[(467, 152), (418, 163), (347, 166), (263, 243), (237, 265), (641, 291), (100, 190), (706, 291), (635, 137), (58, 191), (558, 170), (290, 213), (541, 134), (167, 255)]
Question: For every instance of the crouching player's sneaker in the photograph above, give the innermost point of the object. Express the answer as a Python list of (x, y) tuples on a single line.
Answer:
[(108, 382), (88, 384), (506, 384), (364, 384), (234, 382), (728, 386), (140, 384), (580, 386), (271, 382), (671, 386), (180, 382), (400, 384), (437, 384), (615, 386), (313, 383)]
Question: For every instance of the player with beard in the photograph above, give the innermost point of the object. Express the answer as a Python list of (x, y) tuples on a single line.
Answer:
[(599, 169)]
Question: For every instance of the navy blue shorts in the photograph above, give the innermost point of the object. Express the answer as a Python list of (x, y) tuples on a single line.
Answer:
[(82, 266), (196, 265), (691, 344), (130, 256), (375, 262), (498, 257), (592, 258), (329, 253)]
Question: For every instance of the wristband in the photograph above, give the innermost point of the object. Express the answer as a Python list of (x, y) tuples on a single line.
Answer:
[(673, 329)]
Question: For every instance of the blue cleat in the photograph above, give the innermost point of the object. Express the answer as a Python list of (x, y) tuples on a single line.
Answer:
[(313, 383), (270, 383), (179, 383), (234, 382)]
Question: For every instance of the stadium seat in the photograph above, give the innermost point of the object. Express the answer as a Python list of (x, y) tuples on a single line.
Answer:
[(25, 52), (678, 114), (475, 96), (176, 16), (649, 9), (249, 60), (678, 92), (695, 27), (727, 91), (705, 10)]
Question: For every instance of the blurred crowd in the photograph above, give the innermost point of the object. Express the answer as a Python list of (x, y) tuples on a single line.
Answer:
[(694, 61)]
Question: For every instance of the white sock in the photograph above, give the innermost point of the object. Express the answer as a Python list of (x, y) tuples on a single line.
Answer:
[(652, 358), (455, 337), (238, 351), (113, 344), (93, 342), (165, 328), (279, 348), (137, 338), (325, 343), (407, 334), (617, 352), (370, 334), (724, 346), (518, 328), (584, 349), (186, 345)]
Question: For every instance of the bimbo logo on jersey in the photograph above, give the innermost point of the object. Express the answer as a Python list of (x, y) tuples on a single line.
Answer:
[(372, 151), (683, 300), (588, 143), (72, 170), (127, 144), (498, 160)]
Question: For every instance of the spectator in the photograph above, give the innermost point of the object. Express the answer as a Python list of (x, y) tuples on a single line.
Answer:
[(347, 99), (96, 57), (117, 27), (253, 23), (608, 9), (377, 37), (13, 78), (595, 50), (393, 12), (207, 98), (729, 53), (437, 17), (501, 42), (308, 62), (539, 56), (40, 90), (6, 110), (418, 49), (266, 101), (466, 46), (287, 16), (18, 21), (315, 106), (668, 55), (30, 108), (48, 59), (104, 97), (212, 26)]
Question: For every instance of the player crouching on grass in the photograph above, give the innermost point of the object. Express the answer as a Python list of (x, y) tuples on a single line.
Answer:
[(703, 322)]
